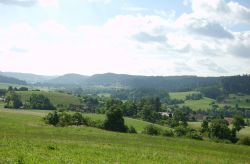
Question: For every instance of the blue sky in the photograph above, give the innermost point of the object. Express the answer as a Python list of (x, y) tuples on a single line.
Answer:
[(182, 37)]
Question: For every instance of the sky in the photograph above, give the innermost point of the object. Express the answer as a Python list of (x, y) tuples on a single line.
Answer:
[(138, 37)]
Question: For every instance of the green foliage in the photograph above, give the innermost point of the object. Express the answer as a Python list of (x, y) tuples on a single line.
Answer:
[(236, 84), (178, 118), (129, 109), (212, 92), (204, 126), (152, 130), (131, 129), (168, 133), (66, 119), (3, 92), (115, 121), (52, 118), (193, 134), (39, 101), (219, 129), (149, 108), (180, 131), (13, 100), (244, 141), (238, 122)]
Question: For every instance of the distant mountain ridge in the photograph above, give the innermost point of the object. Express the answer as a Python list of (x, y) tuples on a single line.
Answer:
[(74, 79), (28, 77), (11, 80), (112, 80)]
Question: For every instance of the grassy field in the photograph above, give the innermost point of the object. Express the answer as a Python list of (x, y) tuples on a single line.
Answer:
[(24, 138), (193, 104), (242, 133), (6, 85), (137, 124), (181, 95), (55, 97), (234, 99), (199, 104)]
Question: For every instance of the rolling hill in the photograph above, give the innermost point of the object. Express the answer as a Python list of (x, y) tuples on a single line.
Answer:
[(11, 80), (55, 97), (28, 77), (25, 138)]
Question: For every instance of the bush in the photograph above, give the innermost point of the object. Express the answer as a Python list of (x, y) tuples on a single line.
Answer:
[(131, 129), (180, 131), (78, 119), (168, 133), (195, 135), (39, 101), (115, 121), (151, 130), (244, 141), (65, 119), (52, 118)]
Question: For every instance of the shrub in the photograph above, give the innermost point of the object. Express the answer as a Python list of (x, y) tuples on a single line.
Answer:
[(78, 119), (115, 121), (65, 119), (131, 129), (168, 133), (180, 131), (195, 135), (244, 141), (151, 130), (39, 101), (52, 118)]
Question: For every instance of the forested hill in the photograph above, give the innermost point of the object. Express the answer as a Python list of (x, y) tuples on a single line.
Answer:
[(28, 77), (170, 83), (11, 80)]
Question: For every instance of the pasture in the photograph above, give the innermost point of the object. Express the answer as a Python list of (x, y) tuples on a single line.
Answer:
[(25, 138)]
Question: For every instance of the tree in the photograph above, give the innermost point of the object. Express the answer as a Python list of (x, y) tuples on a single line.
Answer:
[(238, 122), (39, 101), (52, 118), (78, 119), (204, 126), (114, 121), (13, 100), (219, 129)]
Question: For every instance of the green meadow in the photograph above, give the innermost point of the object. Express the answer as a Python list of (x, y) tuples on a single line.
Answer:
[(55, 97), (25, 138)]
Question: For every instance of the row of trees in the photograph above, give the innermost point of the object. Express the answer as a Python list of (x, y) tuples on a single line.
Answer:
[(114, 121), (219, 128), (35, 101)]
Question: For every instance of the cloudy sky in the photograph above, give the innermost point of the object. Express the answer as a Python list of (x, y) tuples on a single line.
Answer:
[(146, 37)]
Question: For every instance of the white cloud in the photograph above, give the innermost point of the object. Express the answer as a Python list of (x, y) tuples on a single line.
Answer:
[(48, 3), (224, 12), (200, 42), (100, 1)]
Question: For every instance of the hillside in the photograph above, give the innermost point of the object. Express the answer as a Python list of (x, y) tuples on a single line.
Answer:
[(11, 80), (68, 79), (55, 97), (25, 138), (170, 83), (28, 77)]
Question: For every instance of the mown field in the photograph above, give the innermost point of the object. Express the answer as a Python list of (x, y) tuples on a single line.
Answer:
[(137, 124), (55, 97), (181, 95), (202, 104), (24, 138), (243, 101)]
